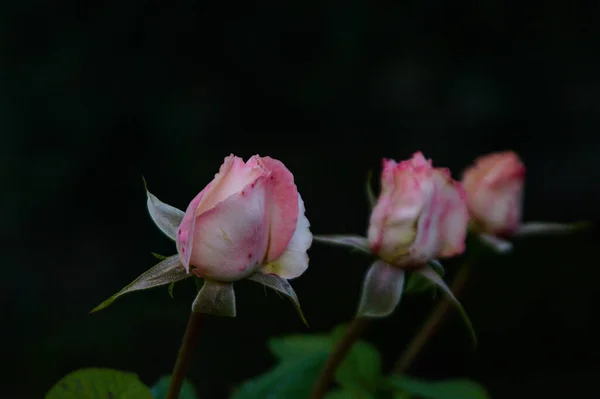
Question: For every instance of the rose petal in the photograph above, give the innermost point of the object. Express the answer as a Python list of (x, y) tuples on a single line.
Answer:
[(454, 221), (234, 175), (283, 207), (185, 234), (230, 240), (381, 291), (294, 260), (166, 217), (216, 299)]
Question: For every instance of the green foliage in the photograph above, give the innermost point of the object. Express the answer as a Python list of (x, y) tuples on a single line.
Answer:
[(448, 389), (302, 356), (360, 372), (96, 383), (301, 360), (289, 379), (161, 388)]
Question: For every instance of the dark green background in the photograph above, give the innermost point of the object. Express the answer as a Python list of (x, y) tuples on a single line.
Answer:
[(93, 96)]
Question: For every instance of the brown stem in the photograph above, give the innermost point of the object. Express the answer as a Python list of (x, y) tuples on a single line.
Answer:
[(338, 355), (184, 357), (431, 325)]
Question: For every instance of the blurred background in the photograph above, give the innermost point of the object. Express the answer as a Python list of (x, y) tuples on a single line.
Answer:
[(93, 96)]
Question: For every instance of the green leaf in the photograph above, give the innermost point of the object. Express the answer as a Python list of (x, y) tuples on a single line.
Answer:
[(282, 286), (291, 379), (360, 372), (97, 383), (161, 388), (370, 193), (294, 346), (167, 271), (346, 394), (448, 389), (171, 286)]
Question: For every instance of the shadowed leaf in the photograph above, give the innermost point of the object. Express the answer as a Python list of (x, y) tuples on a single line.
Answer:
[(97, 383)]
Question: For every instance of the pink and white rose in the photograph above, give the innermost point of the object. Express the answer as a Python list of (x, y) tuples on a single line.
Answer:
[(421, 214), (249, 219), (494, 186)]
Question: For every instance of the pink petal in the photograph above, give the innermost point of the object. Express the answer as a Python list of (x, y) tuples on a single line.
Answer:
[(294, 260), (454, 220), (282, 207), (230, 240), (233, 176), (185, 233)]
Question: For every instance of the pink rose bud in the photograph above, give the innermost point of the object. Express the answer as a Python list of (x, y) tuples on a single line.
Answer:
[(248, 222), (249, 219), (494, 186), (421, 214)]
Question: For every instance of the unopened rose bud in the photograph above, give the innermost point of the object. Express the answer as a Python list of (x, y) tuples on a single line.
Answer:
[(494, 186), (421, 214)]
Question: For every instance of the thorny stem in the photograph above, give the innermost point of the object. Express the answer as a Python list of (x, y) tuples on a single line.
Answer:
[(340, 351), (184, 357), (434, 321)]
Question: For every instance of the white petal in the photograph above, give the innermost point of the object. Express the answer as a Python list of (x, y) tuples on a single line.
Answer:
[(381, 291), (166, 217), (294, 260)]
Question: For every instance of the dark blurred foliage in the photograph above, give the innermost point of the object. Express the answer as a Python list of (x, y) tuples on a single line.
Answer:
[(93, 95)]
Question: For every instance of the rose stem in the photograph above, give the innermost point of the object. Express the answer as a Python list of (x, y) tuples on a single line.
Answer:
[(433, 322), (186, 350), (340, 351)]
